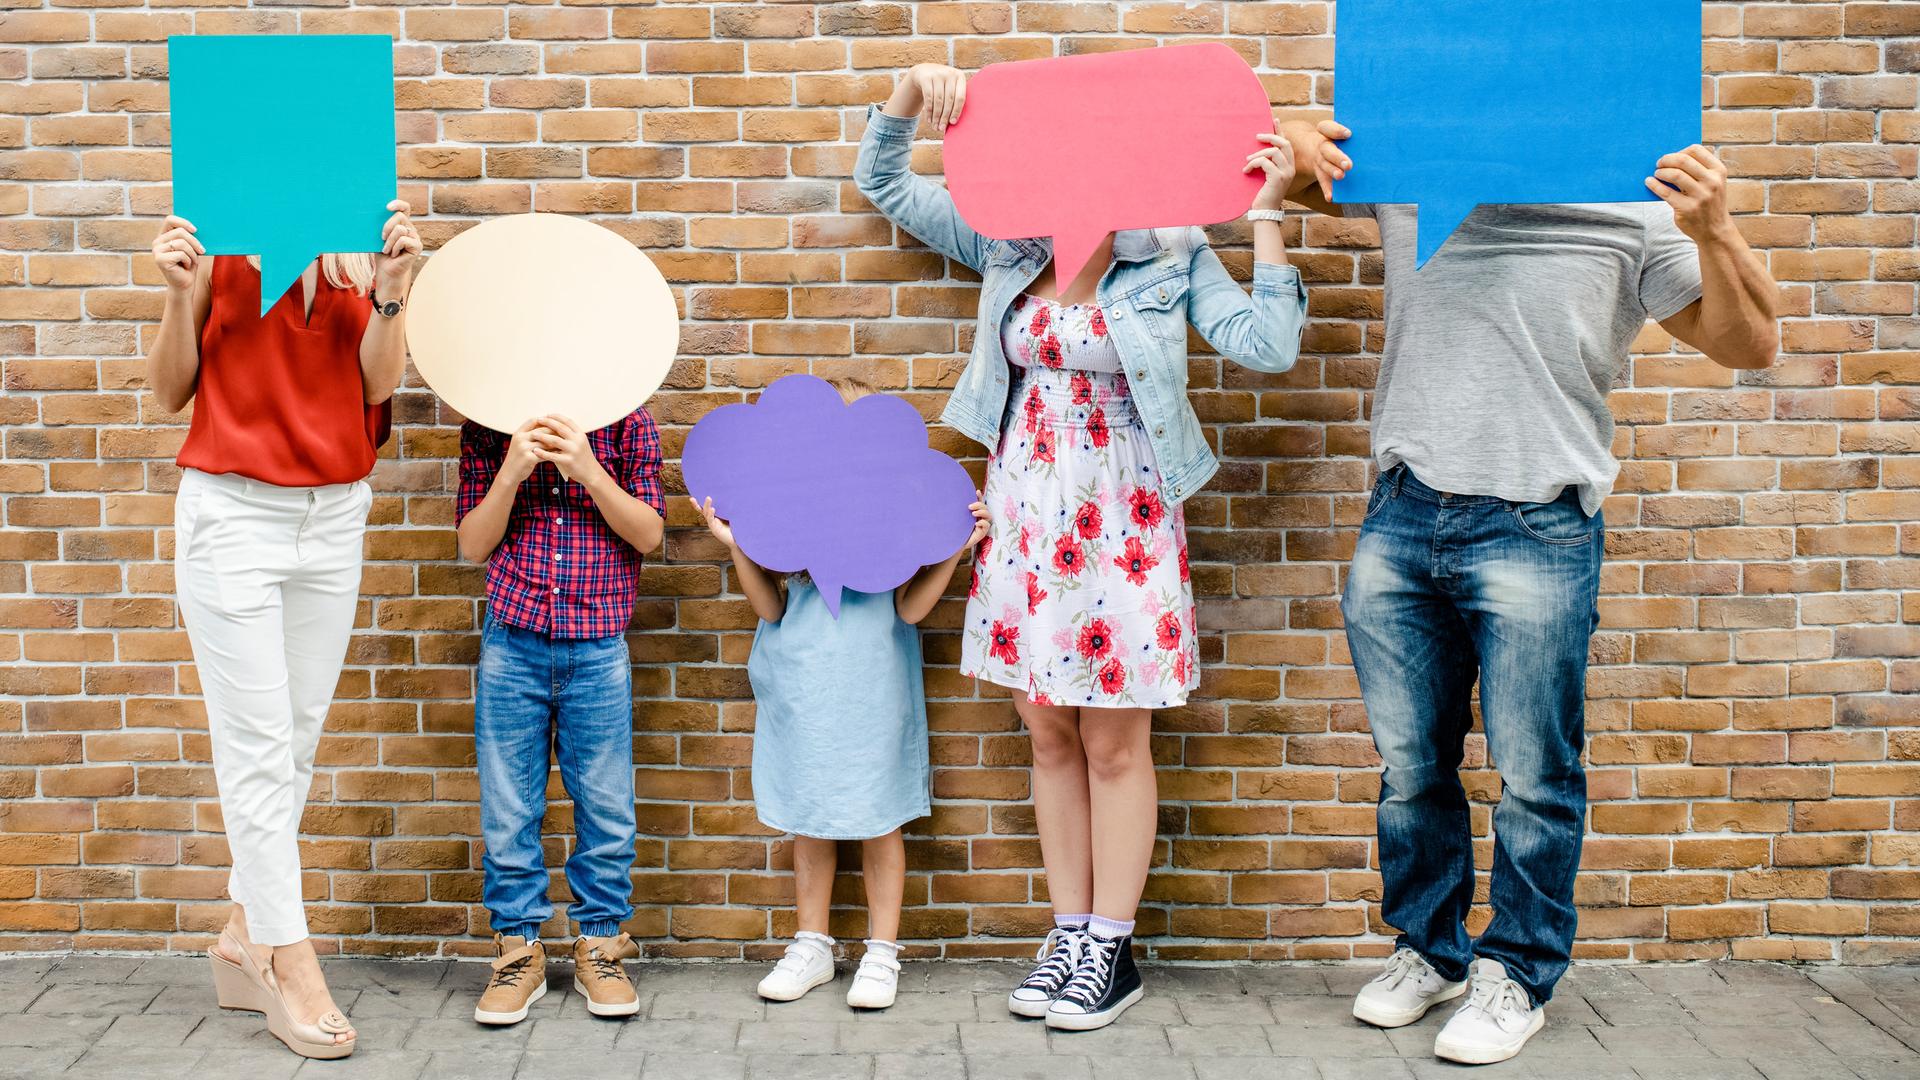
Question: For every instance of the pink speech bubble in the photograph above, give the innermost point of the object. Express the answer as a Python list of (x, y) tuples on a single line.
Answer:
[(1076, 147)]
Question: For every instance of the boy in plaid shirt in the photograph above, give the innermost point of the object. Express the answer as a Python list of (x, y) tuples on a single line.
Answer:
[(560, 517)]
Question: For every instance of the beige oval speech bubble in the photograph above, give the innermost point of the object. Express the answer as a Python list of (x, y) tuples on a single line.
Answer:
[(542, 313)]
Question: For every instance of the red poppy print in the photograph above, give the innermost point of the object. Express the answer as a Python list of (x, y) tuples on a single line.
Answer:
[(1087, 520), (986, 548), (1180, 669), (1082, 388), (1098, 323), (1135, 561), (1097, 431), (1035, 594), (1166, 631), (1033, 407), (1113, 677), (1068, 559), (1095, 641), (1048, 352), (1148, 510), (1006, 643), (1039, 699), (1186, 572), (1044, 444), (1041, 317)]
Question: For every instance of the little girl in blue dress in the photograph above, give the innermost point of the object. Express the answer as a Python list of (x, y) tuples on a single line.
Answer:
[(840, 748)]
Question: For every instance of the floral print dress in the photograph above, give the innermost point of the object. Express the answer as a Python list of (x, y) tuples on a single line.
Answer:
[(1080, 593)]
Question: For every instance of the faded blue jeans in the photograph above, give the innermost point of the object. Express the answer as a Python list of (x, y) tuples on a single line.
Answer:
[(572, 699), (1445, 589)]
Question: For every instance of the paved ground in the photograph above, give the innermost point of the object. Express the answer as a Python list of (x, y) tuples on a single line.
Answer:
[(129, 1018)]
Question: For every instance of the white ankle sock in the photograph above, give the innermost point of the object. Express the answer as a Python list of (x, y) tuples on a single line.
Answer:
[(1061, 922), (889, 950), (1109, 928)]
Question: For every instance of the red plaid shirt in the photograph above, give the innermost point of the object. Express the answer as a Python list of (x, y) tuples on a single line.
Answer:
[(560, 569)]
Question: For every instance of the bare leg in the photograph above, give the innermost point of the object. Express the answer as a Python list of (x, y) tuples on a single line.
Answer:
[(813, 865), (1060, 804), (1125, 801), (883, 863)]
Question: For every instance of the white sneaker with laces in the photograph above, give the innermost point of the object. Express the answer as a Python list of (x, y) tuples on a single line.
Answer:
[(875, 982), (1496, 1021), (1404, 991), (807, 964)]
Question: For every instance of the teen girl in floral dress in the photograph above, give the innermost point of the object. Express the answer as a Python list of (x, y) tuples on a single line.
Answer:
[(1081, 603)]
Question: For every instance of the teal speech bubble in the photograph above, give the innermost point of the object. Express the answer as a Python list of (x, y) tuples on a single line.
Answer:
[(283, 146)]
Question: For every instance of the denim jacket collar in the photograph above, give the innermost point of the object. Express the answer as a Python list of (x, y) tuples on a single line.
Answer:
[(1129, 245)]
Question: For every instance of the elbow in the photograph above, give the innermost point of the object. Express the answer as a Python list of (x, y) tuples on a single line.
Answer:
[(471, 549), (1759, 349)]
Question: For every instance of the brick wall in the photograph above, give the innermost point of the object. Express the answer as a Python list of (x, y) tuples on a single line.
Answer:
[(1755, 731)]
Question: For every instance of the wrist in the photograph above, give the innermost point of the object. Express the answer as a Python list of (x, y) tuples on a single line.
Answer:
[(1721, 232)]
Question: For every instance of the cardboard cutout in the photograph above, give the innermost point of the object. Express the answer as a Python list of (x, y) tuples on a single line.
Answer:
[(1453, 103), (851, 494), (283, 146), (1077, 147), (533, 314)]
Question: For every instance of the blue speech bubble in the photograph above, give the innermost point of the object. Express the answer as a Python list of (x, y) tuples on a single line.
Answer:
[(283, 146), (1454, 103)]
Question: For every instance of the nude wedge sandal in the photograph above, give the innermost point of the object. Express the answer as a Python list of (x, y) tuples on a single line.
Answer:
[(313, 1040), (230, 983)]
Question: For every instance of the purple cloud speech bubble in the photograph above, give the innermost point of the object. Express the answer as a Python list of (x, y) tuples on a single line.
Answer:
[(851, 494)]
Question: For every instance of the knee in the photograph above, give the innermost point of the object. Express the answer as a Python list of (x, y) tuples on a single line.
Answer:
[(1055, 739), (1414, 781), (1112, 756)]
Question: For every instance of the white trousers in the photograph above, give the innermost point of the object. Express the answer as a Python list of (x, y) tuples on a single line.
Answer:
[(268, 578)]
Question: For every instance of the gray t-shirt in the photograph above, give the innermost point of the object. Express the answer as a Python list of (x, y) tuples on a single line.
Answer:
[(1501, 350)]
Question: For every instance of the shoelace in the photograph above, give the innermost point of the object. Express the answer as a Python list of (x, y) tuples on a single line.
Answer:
[(1089, 983), (510, 975), (604, 966), (1497, 998), (1404, 964), (1057, 968)]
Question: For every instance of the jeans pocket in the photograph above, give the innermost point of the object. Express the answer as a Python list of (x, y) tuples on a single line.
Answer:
[(1379, 499), (1561, 523)]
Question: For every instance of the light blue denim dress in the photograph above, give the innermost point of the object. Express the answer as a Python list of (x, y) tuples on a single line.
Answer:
[(840, 728)]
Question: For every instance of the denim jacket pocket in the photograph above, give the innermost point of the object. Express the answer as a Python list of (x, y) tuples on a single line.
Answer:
[(1163, 307), (1561, 523)]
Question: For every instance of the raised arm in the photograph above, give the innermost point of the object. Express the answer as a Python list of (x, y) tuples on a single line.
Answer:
[(383, 347), (1316, 147), (1734, 321), (915, 600), (761, 590), (173, 363), (884, 172)]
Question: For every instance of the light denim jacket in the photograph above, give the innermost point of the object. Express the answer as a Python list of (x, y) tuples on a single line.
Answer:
[(1160, 280)]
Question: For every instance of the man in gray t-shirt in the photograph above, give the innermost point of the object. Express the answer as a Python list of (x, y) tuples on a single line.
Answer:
[(1479, 559)]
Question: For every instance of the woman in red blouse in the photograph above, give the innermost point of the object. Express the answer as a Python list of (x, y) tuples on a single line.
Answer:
[(289, 411)]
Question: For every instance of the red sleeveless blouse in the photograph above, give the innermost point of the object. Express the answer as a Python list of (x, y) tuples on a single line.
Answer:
[(279, 397)]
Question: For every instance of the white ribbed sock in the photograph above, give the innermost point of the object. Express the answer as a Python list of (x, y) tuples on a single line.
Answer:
[(1109, 929)]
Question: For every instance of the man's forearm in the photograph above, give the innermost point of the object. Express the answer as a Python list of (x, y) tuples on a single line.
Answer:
[(1738, 325), (636, 522)]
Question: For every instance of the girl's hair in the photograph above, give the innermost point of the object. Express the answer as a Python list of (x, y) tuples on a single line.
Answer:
[(348, 270), (852, 388)]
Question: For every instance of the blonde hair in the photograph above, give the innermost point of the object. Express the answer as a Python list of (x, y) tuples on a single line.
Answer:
[(852, 388), (349, 270)]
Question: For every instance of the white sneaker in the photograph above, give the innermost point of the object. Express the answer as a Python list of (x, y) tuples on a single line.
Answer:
[(875, 982), (1404, 992), (1496, 1021), (808, 963)]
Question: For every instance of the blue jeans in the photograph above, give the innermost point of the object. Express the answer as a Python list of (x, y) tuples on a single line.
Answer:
[(1444, 589), (537, 696)]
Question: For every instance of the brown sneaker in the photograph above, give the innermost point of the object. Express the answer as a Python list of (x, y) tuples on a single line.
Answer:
[(598, 976), (519, 980)]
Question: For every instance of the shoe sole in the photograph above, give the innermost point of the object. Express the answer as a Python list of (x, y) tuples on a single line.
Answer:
[(499, 1019), (1487, 1055), (821, 980), (869, 1006), (1093, 1021), (1402, 1019), (603, 1008), (1032, 1010)]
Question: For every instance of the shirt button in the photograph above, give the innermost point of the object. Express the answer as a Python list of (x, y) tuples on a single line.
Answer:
[(556, 519), (556, 556), (556, 592), (553, 491)]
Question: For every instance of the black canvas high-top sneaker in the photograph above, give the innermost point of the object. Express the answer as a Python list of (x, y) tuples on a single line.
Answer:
[(1059, 955), (1104, 986)]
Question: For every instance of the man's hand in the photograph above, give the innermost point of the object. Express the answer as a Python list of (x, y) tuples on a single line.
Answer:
[(1316, 153), (561, 441), (1694, 183)]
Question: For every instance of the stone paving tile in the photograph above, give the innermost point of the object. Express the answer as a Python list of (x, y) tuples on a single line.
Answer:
[(133, 1017)]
